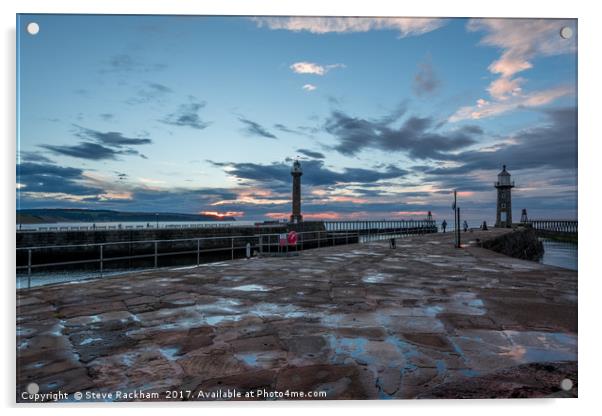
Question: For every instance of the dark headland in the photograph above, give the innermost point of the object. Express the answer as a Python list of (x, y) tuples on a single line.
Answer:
[(56, 215)]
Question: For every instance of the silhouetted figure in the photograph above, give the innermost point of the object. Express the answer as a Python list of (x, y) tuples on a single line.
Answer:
[(465, 226), (444, 225), (392, 243), (484, 227)]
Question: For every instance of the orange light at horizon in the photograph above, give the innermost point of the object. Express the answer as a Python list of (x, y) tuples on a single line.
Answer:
[(322, 216), (223, 214), (309, 216), (410, 213)]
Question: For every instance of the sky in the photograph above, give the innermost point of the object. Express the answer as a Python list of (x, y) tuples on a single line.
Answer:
[(205, 114)]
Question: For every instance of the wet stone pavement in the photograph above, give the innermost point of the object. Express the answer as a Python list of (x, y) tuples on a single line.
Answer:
[(362, 321)]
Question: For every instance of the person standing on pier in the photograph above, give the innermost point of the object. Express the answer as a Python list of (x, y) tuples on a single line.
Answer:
[(444, 225), (465, 226)]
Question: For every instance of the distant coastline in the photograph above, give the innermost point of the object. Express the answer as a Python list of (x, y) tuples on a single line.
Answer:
[(58, 215)]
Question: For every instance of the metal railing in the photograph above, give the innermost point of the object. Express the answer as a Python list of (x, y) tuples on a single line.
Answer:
[(29, 228), (555, 226), (236, 246)]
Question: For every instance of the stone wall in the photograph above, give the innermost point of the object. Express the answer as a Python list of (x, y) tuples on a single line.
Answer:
[(520, 243)]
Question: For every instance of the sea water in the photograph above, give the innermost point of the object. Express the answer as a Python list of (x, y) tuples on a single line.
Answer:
[(559, 254)]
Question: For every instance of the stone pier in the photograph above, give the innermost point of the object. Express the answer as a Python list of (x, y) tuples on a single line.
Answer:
[(424, 320)]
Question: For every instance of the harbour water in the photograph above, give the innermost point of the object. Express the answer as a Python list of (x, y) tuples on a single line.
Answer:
[(559, 254)]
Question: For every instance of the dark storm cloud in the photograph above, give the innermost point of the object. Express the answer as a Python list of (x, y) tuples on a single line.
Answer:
[(311, 153), (187, 115), (553, 145), (426, 81), (127, 63), (255, 129), (110, 138), (47, 178), (315, 173), (415, 136)]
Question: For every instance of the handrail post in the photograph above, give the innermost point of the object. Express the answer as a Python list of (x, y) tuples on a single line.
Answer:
[(198, 252), (232, 246), (29, 269), (101, 260), (155, 254)]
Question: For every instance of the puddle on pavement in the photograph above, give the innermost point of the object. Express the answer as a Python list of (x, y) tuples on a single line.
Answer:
[(251, 288), (376, 277)]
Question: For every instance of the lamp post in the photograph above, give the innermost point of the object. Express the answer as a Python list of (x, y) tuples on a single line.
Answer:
[(456, 209), (157, 219)]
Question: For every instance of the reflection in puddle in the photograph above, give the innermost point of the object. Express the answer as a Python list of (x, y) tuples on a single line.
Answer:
[(251, 288), (531, 347)]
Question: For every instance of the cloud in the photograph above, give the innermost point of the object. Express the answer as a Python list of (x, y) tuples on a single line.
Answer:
[(285, 129), (187, 115), (521, 41), (313, 68), (106, 146), (86, 150), (107, 116), (49, 178), (311, 153), (24, 156), (484, 108), (46, 185), (551, 145), (426, 81), (127, 63), (415, 136), (111, 138), (406, 26), (314, 173), (309, 87), (151, 91), (502, 88), (256, 129)]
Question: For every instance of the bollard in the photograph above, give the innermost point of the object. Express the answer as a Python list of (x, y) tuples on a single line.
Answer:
[(248, 250)]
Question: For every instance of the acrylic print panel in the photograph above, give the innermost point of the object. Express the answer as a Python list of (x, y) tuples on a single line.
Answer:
[(254, 208)]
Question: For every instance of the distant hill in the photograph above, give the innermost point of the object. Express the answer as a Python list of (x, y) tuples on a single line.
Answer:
[(54, 215)]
